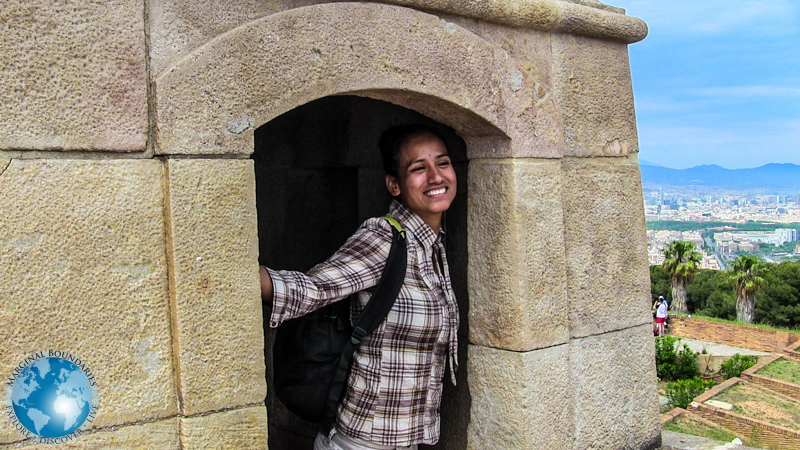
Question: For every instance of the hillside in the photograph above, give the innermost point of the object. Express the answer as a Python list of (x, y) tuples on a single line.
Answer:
[(770, 176)]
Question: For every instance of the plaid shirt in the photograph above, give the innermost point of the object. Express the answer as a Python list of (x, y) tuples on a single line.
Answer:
[(395, 383)]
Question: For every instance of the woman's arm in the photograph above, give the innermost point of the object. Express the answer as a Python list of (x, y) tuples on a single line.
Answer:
[(266, 286), (356, 266)]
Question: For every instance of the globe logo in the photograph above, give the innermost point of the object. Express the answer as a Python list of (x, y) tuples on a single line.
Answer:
[(52, 397)]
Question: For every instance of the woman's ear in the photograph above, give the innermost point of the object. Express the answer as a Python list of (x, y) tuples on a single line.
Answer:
[(392, 185)]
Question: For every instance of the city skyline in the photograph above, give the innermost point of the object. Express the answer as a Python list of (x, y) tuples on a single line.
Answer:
[(717, 82)]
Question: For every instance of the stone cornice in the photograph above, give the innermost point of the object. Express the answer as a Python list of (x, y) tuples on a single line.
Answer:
[(582, 17)]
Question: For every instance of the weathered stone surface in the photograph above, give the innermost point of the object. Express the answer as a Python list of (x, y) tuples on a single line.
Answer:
[(216, 310), (83, 269), (590, 18), (613, 377), (517, 286), (607, 276), (520, 400), (156, 435), (240, 428), (73, 75), (211, 101), (180, 26), (592, 84), (536, 115)]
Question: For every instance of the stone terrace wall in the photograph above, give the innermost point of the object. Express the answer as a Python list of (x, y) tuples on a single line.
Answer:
[(765, 433), (782, 387), (730, 334)]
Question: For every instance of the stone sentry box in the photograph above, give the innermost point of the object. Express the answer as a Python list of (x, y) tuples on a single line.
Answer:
[(130, 228)]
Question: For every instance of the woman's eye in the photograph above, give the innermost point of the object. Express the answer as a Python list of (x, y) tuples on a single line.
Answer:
[(444, 163), (417, 169)]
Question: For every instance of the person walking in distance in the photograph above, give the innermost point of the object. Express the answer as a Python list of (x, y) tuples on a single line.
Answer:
[(661, 315)]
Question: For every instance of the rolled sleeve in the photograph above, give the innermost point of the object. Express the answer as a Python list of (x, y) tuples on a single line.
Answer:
[(356, 266)]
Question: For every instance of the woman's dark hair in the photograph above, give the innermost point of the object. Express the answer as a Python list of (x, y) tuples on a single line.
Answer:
[(393, 139)]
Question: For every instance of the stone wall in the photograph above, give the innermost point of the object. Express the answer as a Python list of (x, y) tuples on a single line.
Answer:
[(761, 432), (750, 337), (782, 387), (130, 229)]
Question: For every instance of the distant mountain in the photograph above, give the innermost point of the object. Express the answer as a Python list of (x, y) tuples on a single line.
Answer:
[(644, 162), (770, 176)]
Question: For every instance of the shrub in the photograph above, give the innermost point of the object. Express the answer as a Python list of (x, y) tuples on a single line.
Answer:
[(672, 364), (682, 392), (737, 364)]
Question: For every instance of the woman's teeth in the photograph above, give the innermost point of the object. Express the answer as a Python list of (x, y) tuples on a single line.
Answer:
[(437, 191)]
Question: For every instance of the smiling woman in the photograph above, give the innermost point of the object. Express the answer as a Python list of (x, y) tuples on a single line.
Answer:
[(421, 174), (389, 403), (420, 161)]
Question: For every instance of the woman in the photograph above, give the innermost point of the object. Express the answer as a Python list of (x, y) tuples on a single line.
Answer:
[(395, 383), (661, 315)]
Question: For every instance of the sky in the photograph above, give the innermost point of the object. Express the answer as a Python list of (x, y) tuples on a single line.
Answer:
[(717, 82)]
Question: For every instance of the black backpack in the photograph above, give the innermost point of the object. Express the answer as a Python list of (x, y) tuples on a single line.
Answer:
[(312, 354)]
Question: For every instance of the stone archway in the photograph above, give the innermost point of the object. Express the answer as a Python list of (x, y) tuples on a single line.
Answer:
[(211, 101), (534, 184), (319, 175), (154, 247)]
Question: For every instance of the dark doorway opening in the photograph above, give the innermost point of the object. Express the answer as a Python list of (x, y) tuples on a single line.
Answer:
[(318, 177)]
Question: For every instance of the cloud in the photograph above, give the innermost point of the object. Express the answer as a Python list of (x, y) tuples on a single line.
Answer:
[(714, 17), (691, 136), (733, 146), (746, 91)]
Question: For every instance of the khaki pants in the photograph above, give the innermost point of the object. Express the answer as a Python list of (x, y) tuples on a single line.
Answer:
[(342, 442)]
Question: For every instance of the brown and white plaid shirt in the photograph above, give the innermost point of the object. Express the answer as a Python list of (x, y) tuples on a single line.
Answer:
[(395, 384)]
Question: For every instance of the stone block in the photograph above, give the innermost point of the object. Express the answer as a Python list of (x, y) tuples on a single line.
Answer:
[(217, 317), (84, 270), (74, 75), (592, 85), (606, 246), (240, 428), (212, 99), (178, 27), (615, 390), (516, 266), (537, 130), (161, 435), (520, 400)]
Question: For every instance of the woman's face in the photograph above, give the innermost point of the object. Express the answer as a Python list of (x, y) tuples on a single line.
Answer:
[(426, 182)]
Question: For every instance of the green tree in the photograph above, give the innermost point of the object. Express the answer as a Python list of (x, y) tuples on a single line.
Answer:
[(681, 263), (660, 284), (744, 276), (703, 286), (778, 303)]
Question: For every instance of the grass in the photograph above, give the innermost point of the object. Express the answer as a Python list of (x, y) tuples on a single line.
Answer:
[(763, 405), (686, 425), (782, 370), (761, 326)]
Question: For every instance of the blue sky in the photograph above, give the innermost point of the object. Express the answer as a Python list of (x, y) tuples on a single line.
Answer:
[(717, 81)]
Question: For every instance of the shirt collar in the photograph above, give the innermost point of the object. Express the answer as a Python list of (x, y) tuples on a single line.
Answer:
[(414, 223)]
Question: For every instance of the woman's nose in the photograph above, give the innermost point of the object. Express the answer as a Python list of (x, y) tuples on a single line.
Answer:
[(434, 175)]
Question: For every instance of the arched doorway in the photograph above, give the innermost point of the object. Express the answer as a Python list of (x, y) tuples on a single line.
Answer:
[(318, 176)]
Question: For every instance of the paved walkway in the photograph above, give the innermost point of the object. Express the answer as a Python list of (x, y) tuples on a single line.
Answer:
[(719, 349), (678, 441)]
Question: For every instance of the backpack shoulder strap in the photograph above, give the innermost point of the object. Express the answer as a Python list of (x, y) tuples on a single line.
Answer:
[(374, 313)]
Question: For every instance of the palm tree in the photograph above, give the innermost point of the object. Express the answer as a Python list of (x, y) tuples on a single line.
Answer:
[(681, 262), (743, 275)]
